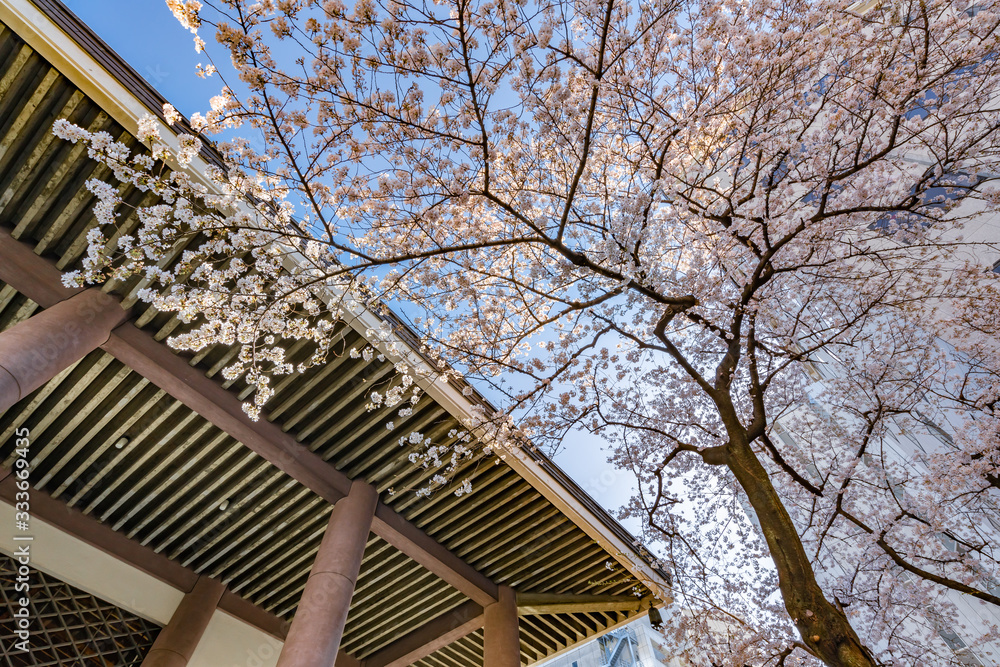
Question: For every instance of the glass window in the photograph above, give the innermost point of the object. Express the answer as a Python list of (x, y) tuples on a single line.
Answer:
[(937, 194), (950, 637)]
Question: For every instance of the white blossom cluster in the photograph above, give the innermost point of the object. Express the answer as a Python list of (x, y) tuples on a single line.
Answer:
[(221, 282)]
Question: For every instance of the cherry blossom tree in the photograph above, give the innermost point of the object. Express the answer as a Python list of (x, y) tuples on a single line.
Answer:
[(733, 238)]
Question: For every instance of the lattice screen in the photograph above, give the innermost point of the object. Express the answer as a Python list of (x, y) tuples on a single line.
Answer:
[(70, 627)]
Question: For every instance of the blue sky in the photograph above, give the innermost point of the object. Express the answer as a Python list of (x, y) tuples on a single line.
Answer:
[(147, 36)]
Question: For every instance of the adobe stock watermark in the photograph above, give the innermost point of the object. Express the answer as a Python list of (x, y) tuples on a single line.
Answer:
[(155, 74), (265, 654), (21, 613)]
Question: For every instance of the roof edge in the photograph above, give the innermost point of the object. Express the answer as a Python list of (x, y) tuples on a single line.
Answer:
[(562, 491)]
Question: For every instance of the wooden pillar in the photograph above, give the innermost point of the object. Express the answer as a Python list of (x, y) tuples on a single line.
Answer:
[(502, 646), (176, 643), (32, 352), (314, 637)]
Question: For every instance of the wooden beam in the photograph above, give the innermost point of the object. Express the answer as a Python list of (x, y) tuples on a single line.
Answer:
[(419, 546), (236, 605), (346, 660), (41, 281), (88, 529), (29, 274), (535, 604), (154, 361), (430, 637)]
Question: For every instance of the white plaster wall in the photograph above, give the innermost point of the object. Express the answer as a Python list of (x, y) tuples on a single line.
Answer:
[(77, 563), (229, 642)]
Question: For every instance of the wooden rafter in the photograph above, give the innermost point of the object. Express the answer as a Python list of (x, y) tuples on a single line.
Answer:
[(537, 604), (39, 280), (91, 531)]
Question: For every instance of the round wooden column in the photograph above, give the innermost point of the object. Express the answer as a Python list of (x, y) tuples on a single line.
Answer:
[(314, 637), (176, 643), (32, 352), (502, 645)]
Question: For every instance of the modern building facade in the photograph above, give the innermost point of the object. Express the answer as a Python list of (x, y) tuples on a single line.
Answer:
[(966, 627), (634, 645), (967, 631), (146, 520)]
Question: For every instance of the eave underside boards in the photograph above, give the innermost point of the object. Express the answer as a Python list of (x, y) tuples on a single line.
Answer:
[(165, 487)]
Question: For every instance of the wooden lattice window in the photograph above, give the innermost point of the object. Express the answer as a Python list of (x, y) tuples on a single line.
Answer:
[(69, 626)]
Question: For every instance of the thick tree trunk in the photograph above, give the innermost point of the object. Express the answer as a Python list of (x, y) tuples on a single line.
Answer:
[(825, 628)]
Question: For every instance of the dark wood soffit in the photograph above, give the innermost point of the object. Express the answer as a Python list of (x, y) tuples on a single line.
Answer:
[(428, 638), (88, 529), (41, 281)]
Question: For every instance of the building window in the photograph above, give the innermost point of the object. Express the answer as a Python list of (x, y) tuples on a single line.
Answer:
[(941, 193), (949, 636), (935, 430)]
